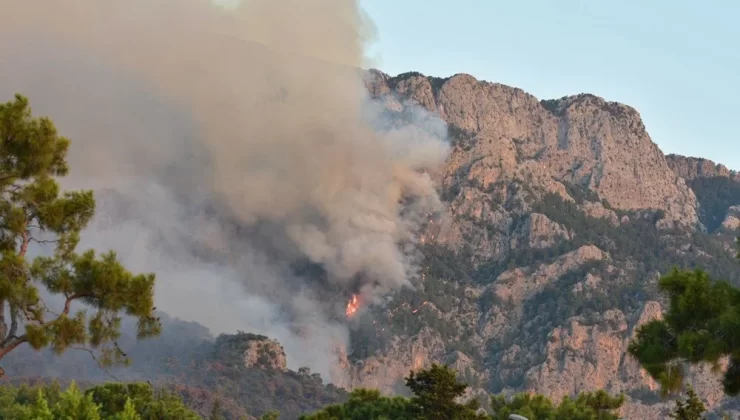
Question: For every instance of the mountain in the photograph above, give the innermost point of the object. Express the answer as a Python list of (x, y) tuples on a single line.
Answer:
[(246, 373), (716, 189), (560, 215)]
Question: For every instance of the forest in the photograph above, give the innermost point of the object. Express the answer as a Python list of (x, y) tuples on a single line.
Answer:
[(701, 323)]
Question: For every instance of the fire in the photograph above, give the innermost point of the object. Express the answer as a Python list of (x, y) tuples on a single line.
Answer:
[(352, 306), (419, 308)]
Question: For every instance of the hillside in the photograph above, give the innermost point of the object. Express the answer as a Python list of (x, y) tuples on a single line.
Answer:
[(562, 213), (246, 373), (559, 217)]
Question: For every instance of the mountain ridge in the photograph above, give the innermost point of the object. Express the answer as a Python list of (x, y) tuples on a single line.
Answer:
[(559, 217), (565, 203)]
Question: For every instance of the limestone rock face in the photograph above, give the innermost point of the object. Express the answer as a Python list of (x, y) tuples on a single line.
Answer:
[(386, 372), (265, 354), (539, 232), (583, 140), (732, 220), (583, 357), (250, 351), (553, 304), (599, 211), (519, 284), (691, 168)]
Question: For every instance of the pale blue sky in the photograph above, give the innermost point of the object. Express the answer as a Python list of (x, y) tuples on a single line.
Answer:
[(677, 62)]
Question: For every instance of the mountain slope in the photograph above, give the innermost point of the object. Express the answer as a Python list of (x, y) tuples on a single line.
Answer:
[(245, 373), (561, 216), (716, 188)]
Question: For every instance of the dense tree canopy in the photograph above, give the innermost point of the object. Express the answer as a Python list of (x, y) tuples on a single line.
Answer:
[(34, 210), (691, 409), (436, 392), (110, 401), (586, 406), (112, 398), (702, 324)]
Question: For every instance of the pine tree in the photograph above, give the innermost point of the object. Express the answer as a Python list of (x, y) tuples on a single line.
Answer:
[(129, 412), (76, 405), (701, 325), (692, 409), (216, 411), (271, 415), (40, 409), (435, 392), (33, 210)]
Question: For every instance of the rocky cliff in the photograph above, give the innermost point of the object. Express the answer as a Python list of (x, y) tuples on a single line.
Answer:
[(245, 350), (561, 214), (716, 188), (691, 168), (559, 217)]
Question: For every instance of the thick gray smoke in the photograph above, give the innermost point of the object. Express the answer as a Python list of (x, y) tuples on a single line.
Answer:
[(225, 145)]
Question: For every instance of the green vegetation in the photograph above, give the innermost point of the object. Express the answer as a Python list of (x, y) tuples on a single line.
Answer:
[(586, 406), (702, 324), (34, 210), (436, 391), (436, 82), (553, 105), (638, 252), (365, 404), (637, 240), (113, 398), (715, 195), (109, 401), (636, 243), (691, 409), (186, 360)]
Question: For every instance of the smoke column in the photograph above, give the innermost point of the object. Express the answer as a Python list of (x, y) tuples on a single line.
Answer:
[(223, 145)]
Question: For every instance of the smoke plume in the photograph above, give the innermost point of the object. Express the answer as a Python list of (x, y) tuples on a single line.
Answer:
[(224, 146)]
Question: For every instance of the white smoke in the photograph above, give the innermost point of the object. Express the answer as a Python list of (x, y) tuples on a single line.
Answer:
[(226, 144)]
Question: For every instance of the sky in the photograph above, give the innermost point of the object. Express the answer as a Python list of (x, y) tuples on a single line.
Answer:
[(677, 62)]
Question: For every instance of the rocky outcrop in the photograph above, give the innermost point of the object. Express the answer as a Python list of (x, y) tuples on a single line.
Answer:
[(732, 220), (597, 210), (553, 306), (505, 134), (539, 232), (386, 372), (519, 284), (244, 350), (588, 356), (691, 168)]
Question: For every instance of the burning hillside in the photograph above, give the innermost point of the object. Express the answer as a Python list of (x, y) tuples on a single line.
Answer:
[(352, 306)]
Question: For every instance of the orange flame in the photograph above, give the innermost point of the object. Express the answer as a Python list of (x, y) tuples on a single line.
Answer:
[(419, 308), (352, 306)]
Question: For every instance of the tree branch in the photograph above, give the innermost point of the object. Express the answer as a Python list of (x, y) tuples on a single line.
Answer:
[(24, 242), (43, 241), (10, 342), (46, 308), (95, 358), (70, 299), (67, 307), (10, 346), (3, 325), (13, 326)]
